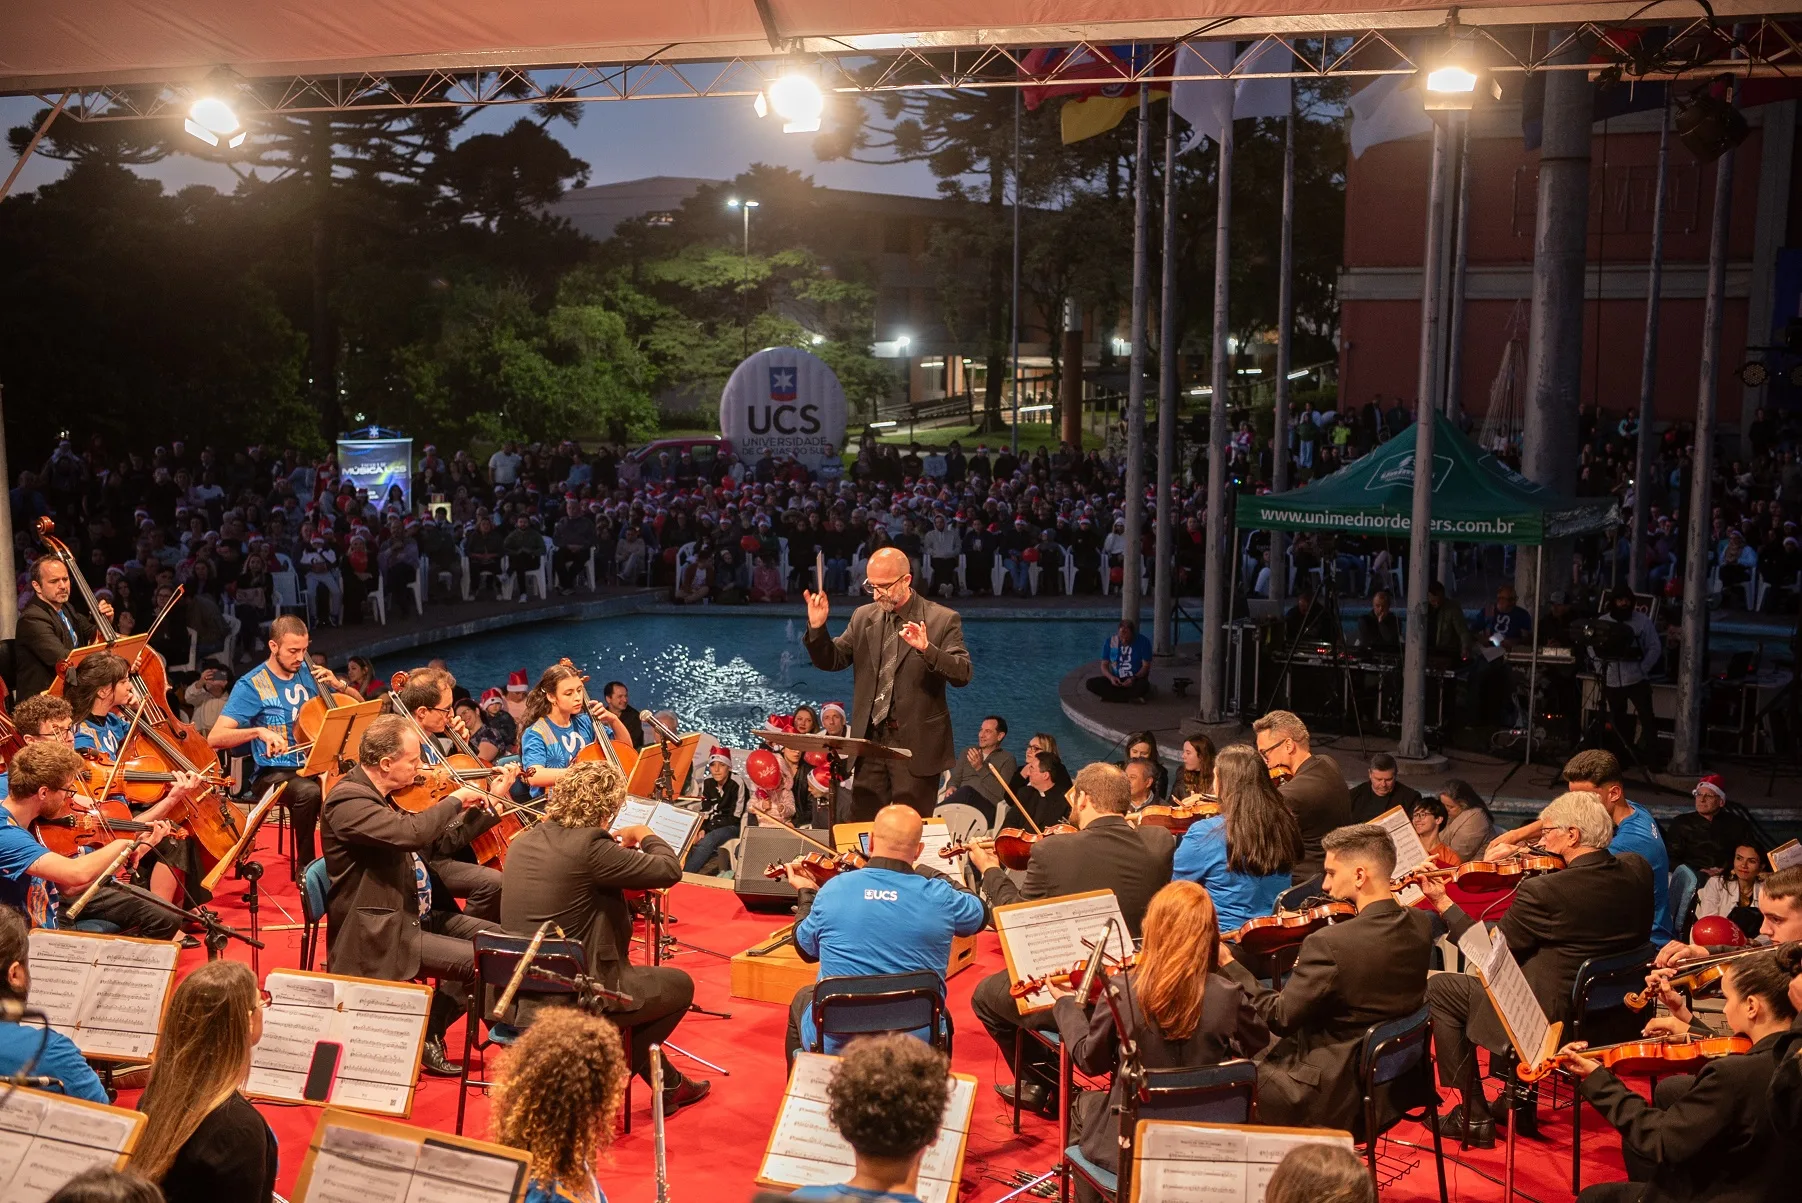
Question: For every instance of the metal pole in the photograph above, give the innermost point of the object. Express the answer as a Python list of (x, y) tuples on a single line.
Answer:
[(9, 581), (1648, 367), (1163, 639), (1016, 422), (744, 304), (1533, 665), (1131, 585), (1413, 742), (32, 145), (1692, 663), (1214, 606), (1285, 351), (1454, 331)]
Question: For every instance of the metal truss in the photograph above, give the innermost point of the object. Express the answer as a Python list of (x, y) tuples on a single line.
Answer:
[(1699, 47)]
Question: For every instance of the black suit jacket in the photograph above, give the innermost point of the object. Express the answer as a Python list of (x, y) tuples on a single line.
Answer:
[(1366, 970), (41, 642), (1108, 854), (922, 721), (1318, 796), (1599, 905), (575, 875)]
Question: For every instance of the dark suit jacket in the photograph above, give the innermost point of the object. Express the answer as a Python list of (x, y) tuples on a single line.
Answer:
[(1318, 796), (574, 875), (372, 904), (1716, 1142), (1601, 904), (1366, 970), (41, 642), (231, 1155), (1108, 854), (1366, 806), (1229, 1027), (922, 722)]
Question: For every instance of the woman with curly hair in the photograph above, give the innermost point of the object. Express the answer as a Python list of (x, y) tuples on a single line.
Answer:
[(887, 1098), (1177, 1006), (572, 870), (560, 1088)]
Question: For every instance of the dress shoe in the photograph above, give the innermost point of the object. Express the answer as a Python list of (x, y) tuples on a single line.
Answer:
[(434, 1062), (684, 1093), (1033, 1097), (1524, 1114), (1480, 1136)]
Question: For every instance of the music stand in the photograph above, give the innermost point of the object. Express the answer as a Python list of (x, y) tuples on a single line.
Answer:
[(340, 737), (837, 746), (643, 780)]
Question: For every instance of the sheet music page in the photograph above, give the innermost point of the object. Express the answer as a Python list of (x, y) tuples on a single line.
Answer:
[(1476, 944), (634, 812), (674, 825), (1410, 854), (1206, 1163), (940, 1162), (380, 1028), (354, 1166), (1044, 937), (103, 993), (60, 968), (934, 836), (451, 1174), (1786, 855), (1514, 1000), (45, 1140), (300, 1014)]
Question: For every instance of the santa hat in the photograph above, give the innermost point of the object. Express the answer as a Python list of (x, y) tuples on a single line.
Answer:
[(719, 753), (492, 695), (516, 681), (1713, 782), (831, 706)]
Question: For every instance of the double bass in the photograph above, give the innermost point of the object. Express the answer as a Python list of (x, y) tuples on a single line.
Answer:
[(161, 742)]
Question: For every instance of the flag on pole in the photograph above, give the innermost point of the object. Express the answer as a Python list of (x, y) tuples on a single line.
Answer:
[(1387, 110), (1094, 106), (1206, 104)]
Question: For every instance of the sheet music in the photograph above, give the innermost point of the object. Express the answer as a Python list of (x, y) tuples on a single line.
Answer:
[(1046, 936), (1215, 1163), (46, 1139), (1515, 1001), (634, 812), (674, 825), (398, 1164), (378, 1027), (1786, 855), (106, 993), (933, 836), (1410, 853), (806, 1150)]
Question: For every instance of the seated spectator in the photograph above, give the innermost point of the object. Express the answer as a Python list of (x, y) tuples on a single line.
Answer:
[(695, 584), (1380, 791), (524, 548), (574, 537), (484, 547), (1735, 895), (1125, 666), (629, 557), (1044, 783), (320, 564), (359, 673), (766, 580), (205, 698), (1469, 827), (398, 561), (559, 1093), (941, 546), (1379, 631), (1429, 819), (887, 1098)]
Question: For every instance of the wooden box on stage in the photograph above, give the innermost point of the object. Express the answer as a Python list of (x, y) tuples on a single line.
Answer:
[(777, 976)]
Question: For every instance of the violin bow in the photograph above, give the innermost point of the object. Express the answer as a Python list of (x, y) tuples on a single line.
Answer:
[(761, 817), (1024, 813), (119, 758)]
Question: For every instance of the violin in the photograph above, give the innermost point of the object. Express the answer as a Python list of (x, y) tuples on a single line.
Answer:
[(1012, 845), (1176, 818), (141, 780), (1651, 1055), (10, 740), (450, 773), (1071, 978), (818, 866), (1488, 876), (1693, 977), (1281, 776), (1285, 929), (69, 834)]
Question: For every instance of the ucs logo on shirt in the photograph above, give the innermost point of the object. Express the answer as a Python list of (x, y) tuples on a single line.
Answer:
[(882, 896)]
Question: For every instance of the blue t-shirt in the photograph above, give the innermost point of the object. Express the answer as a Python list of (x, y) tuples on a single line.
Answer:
[(547, 1192), (1638, 833), (102, 735), (260, 698), (840, 1191), (19, 850), (1238, 897), (60, 1059), (1510, 624), (1123, 662), (880, 920), (548, 745)]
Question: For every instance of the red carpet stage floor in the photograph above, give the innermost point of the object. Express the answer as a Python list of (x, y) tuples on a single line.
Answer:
[(714, 1148)]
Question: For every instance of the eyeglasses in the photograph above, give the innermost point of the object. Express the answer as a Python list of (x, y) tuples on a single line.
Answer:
[(882, 590), (1267, 749), (265, 1000)]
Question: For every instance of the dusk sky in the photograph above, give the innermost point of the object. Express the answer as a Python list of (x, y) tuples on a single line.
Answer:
[(620, 140)]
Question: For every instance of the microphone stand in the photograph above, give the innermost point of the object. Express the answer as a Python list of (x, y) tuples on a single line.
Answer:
[(218, 935), (250, 872)]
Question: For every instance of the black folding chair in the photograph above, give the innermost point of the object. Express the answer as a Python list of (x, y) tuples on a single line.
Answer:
[(881, 1002), (1208, 1094), (1393, 1058), (1602, 985)]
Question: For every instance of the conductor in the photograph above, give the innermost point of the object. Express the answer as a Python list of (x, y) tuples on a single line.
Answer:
[(904, 650)]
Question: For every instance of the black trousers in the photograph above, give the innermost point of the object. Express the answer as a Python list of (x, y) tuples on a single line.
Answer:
[(131, 914), (1639, 696), (663, 995), (447, 953), (1463, 1018), (880, 782), (477, 887), (995, 1007), (802, 1003), (1107, 691), (569, 563), (302, 800)]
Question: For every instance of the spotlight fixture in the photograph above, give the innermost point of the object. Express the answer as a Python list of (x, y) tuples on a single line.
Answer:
[(1753, 374), (212, 121), (796, 99), (1452, 79), (1708, 124)]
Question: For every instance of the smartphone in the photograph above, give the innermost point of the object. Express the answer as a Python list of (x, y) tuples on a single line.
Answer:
[(321, 1072)]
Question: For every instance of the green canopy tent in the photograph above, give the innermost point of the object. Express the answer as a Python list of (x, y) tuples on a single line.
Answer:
[(1476, 499)]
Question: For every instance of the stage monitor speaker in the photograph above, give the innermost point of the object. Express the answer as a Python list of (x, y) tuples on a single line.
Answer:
[(758, 849)]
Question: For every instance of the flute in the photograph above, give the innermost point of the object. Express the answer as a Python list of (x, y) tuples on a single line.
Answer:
[(81, 903), (657, 1123)]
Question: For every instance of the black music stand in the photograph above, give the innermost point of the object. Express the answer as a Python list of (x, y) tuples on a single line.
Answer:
[(836, 746)]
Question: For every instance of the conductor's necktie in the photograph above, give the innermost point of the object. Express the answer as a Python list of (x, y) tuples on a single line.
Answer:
[(885, 673)]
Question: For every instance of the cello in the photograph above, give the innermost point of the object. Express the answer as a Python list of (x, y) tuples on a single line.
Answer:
[(311, 716), (162, 742), (617, 752)]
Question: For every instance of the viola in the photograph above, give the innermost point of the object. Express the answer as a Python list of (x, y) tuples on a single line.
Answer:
[(1269, 933), (818, 866), (1013, 845), (1176, 818), (1488, 876), (463, 768), (1654, 1054), (1693, 977), (1071, 978)]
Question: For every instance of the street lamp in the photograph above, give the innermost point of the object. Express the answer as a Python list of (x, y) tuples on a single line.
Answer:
[(907, 380), (744, 295)]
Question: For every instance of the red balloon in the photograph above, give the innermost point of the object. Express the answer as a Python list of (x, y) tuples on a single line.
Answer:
[(1716, 931), (764, 770), (817, 759)]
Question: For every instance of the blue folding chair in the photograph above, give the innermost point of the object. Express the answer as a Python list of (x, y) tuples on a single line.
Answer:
[(881, 1002), (1391, 1054), (1207, 1094), (314, 884)]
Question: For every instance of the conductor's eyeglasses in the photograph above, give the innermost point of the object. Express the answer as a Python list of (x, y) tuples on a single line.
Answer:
[(883, 589)]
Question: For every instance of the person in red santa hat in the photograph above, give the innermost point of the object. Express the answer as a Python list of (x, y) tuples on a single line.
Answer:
[(722, 808), (1705, 838)]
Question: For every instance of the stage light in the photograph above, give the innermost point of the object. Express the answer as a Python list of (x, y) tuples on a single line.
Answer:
[(1753, 374), (1708, 124), (212, 121), (1452, 79), (796, 99), (1298, 373)]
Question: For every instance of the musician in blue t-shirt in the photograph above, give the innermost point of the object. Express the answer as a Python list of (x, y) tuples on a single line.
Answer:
[(559, 721), (25, 1047), (262, 710), (1125, 666)]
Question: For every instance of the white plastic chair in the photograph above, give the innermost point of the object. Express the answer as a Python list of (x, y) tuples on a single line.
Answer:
[(997, 576), (286, 586), (782, 558), (537, 576), (233, 627), (1069, 571)]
